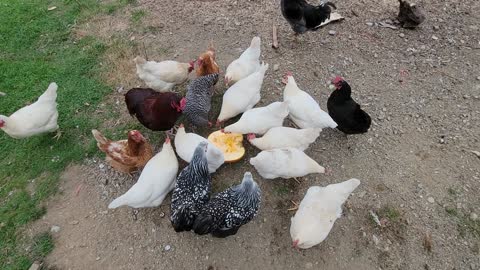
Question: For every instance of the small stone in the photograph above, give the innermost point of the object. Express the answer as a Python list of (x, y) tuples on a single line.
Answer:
[(101, 166), (97, 259), (162, 214), (275, 67), (375, 239), (478, 78), (436, 27), (73, 222), (402, 35), (167, 247), (434, 37), (2, 94), (309, 265), (132, 38), (332, 32), (35, 266), (431, 200), (473, 216), (55, 229), (369, 23)]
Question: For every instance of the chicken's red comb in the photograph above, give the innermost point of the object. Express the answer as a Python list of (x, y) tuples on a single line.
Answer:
[(288, 74), (337, 80)]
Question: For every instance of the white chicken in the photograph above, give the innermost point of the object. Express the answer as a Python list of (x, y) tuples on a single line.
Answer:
[(37, 118), (162, 76), (260, 120), (185, 144), (243, 95), (318, 211), (285, 163), (304, 110), (282, 137), (155, 182), (246, 64)]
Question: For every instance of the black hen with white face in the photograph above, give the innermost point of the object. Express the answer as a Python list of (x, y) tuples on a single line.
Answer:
[(304, 17), (230, 209), (192, 190)]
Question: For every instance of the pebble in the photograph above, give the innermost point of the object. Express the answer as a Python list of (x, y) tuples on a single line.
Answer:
[(73, 222), (436, 27), (35, 266), (332, 32), (402, 35), (275, 67), (375, 239), (434, 37), (369, 23), (431, 200), (473, 216), (97, 259), (2, 94), (101, 166), (478, 78), (162, 214), (55, 229), (167, 247)]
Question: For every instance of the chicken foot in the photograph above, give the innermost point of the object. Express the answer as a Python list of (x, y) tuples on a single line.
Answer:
[(58, 135), (294, 207)]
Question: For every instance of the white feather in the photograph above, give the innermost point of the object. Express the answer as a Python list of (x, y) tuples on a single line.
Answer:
[(285, 163), (156, 181), (260, 120), (318, 211), (243, 95), (304, 110), (36, 118), (246, 64), (282, 137), (161, 76), (185, 144)]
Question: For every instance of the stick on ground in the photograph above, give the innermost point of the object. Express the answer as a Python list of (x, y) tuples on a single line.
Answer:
[(274, 37)]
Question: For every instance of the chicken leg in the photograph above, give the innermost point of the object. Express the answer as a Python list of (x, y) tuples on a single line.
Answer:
[(294, 207), (58, 135)]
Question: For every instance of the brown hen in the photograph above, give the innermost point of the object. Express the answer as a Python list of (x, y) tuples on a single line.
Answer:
[(125, 155), (206, 63)]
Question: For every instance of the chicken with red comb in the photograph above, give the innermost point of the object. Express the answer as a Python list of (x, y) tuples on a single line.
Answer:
[(347, 113)]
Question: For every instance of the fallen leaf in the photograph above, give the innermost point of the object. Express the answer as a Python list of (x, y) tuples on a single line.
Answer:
[(52, 8)]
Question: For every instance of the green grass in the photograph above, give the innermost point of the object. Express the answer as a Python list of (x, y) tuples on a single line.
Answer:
[(36, 48), (464, 223), (138, 15)]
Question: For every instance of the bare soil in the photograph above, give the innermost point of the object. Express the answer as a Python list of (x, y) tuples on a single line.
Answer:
[(421, 87)]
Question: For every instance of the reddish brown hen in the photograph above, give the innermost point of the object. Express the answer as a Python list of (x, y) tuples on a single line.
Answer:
[(125, 155), (206, 63), (156, 111)]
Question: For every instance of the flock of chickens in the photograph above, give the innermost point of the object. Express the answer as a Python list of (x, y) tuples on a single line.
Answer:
[(157, 108)]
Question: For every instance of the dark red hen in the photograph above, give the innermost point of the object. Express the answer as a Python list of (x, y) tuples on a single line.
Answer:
[(156, 111), (351, 119)]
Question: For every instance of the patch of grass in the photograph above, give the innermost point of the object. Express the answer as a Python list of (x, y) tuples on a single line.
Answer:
[(389, 212), (465, 224), (281, 190), (113, 7), (138, 15), (36, 48), (42, 246)]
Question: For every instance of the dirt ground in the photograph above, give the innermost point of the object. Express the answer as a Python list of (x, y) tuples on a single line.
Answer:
[(421, 87)]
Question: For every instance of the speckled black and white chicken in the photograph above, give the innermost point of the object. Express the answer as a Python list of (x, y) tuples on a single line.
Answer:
[(192, 190), (199, 98), (229, 209)]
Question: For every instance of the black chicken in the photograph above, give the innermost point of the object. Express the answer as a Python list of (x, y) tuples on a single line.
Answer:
[(156, 111), (351, 119), (192, 190), (410, 15), (230, 209), (303, 17)]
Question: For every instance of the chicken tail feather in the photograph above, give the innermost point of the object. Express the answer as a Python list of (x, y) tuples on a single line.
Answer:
[(50, 94), (99, 137), (203, 224)]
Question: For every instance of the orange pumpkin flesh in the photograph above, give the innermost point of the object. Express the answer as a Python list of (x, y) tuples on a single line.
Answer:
[(229, 143)]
